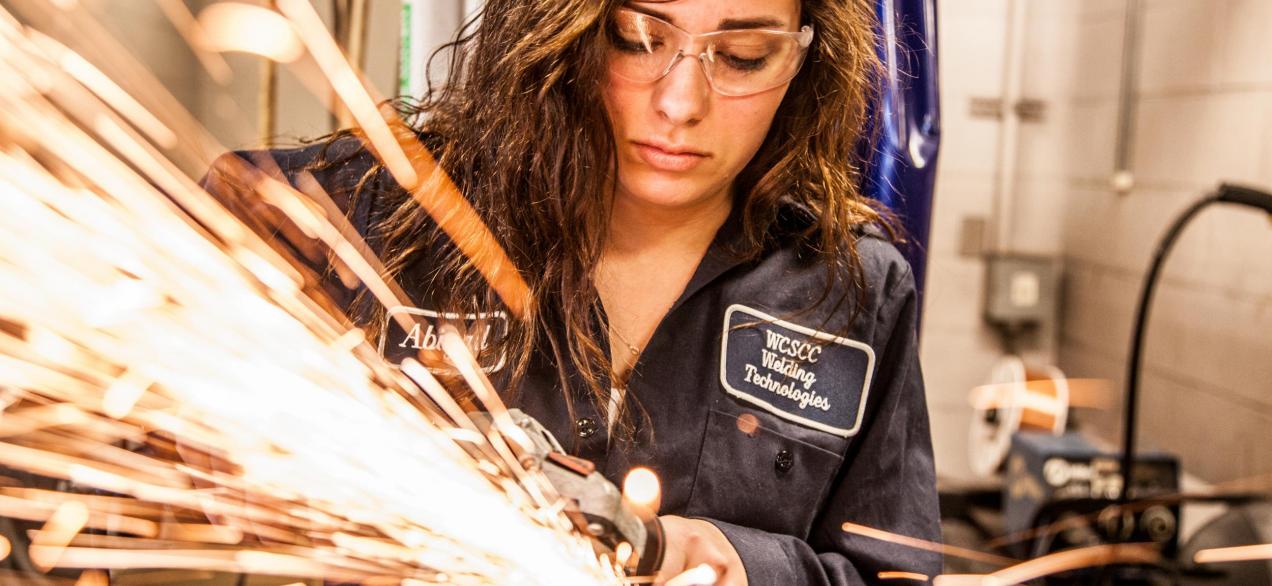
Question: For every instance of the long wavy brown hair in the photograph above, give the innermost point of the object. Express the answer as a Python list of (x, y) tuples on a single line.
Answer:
[(520, 126)]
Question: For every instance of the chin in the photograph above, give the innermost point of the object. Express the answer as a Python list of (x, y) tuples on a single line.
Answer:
[(667, 190)]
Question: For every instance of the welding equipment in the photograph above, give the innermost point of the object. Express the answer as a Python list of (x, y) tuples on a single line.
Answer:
[(1060, 491), (1250, 516), (1228, 194), (1015, 401)]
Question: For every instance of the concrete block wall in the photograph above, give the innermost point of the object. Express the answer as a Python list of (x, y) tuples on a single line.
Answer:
[(1204, 103), (958, 350)]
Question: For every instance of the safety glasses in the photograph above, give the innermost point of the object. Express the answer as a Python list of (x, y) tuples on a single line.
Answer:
[(644, 49)]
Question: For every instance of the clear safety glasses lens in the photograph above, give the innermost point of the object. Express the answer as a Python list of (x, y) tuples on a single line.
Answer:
[(644, 49)]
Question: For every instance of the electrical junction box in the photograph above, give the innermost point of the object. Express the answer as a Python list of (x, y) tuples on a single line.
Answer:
[(1021, 290)]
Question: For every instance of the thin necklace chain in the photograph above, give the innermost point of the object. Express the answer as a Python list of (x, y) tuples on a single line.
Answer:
[(635, 350)]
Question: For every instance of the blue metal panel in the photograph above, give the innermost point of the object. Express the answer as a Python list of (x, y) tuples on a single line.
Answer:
[(902, 167)]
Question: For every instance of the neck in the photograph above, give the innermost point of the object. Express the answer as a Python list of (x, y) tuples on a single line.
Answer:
[(638, 227)]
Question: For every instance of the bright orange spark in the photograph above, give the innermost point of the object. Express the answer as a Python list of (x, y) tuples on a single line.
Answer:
[(268, 425), (1059, 562), (1075, 559), (897, 575), (1091, 393), (48, 544), (411, 165), (926, 545), (1242, 553), (346, 82), (643, 491)]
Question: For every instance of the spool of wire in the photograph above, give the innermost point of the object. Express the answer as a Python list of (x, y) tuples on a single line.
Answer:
[(1018, 397)]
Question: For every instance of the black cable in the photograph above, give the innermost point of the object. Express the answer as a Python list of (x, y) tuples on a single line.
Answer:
[(1227, 193)]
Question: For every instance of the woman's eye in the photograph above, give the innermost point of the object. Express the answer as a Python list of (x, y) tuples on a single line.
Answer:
[(744, 55), (634, 42), (741, 63), (637, 45)]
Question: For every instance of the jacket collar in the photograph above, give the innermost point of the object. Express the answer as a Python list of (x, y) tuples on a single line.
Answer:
[(726, 249)]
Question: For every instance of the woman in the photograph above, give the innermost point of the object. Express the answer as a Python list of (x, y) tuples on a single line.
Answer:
[(711, 295)]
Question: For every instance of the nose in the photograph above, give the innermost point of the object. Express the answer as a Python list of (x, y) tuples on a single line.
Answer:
[(683, 96)]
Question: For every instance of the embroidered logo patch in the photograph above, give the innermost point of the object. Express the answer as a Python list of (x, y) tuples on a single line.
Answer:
[(794, 372), (483, 329)]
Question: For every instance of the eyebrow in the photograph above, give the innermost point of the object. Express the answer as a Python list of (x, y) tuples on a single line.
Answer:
[(756, 22), (727, 24)]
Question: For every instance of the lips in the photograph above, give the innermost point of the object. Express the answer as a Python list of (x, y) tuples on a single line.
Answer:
[(668, 157)]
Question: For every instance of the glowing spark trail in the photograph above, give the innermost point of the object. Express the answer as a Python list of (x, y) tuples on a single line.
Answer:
[(190, 384), (1058, 562), (1243, 553), (409, 162), (948, 550)]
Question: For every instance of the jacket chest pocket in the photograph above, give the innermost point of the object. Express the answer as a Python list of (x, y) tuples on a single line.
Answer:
[(751, 474)]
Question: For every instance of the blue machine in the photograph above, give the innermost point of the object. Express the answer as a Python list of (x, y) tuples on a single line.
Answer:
[(902, 167)]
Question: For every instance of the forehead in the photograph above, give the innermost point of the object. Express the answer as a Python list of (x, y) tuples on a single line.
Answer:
[(699, 16)]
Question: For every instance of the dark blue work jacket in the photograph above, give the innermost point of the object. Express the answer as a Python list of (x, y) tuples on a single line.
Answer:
[(775, 422)]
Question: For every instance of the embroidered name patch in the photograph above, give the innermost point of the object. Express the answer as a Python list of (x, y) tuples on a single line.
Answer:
[(794, 372), (483, 329)]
